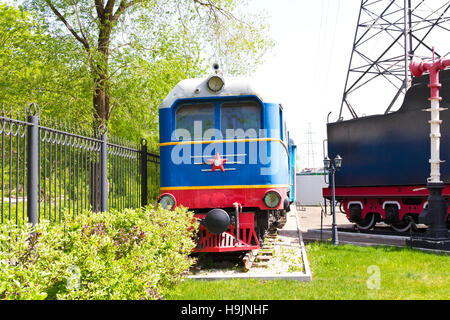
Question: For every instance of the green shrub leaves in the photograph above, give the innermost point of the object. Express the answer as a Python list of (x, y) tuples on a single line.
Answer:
[(133, 254)]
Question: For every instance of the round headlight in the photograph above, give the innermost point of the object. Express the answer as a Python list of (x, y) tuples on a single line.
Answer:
[(215, 83), (272, 199), (167, 201)]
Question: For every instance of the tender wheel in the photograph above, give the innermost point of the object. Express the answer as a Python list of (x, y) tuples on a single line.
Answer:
[(403, 225), (341, 207), (367, 223)]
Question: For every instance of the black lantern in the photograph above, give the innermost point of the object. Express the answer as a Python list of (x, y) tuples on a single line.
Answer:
[(338, 162), (332, 167), (326, 162)]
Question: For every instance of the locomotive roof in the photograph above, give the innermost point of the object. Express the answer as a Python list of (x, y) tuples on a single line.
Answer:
[(197, 88)]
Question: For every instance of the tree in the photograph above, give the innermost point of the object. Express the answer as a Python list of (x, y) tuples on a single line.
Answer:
[(35, 67), (118, 39), (17, 31)]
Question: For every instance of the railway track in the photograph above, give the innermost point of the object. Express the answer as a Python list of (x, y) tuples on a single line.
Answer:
[(379, 235), (282, 256), (383, 230), (241, 261), (262, 257)]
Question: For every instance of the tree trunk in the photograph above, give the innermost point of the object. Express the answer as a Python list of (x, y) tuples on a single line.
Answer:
[(101, 106), (101, 98), (101, 76)]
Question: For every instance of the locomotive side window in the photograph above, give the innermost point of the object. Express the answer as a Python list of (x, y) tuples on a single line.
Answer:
[(189, 115), (244, 116)]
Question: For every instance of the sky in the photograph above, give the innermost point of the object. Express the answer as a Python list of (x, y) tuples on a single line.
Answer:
[(306, 69)]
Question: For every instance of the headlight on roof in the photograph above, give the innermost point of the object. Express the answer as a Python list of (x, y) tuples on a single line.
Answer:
[(215, 83)]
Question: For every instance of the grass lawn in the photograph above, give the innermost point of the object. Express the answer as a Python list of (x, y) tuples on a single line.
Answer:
[(342, 272)]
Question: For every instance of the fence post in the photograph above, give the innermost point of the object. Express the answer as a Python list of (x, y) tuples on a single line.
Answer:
[(32, 168), (104, 171), (144, 190)]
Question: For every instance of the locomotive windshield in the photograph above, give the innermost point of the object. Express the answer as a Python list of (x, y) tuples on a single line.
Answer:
[(188, 113), (245, 116), (237, 119)]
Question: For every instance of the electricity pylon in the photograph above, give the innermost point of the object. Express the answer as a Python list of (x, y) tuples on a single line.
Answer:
[(388, 34)]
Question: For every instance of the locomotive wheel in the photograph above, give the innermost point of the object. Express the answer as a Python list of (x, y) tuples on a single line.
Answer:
[(262, 225), (282, 221), (403, 225), (367, 223)]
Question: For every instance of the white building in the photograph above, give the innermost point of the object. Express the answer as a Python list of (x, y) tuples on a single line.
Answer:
[(309, 184)]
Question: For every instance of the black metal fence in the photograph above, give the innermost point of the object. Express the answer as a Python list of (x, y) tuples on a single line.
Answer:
[(48, 166)]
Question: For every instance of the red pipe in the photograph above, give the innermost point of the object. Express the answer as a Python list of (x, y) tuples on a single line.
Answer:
[(418, 67)]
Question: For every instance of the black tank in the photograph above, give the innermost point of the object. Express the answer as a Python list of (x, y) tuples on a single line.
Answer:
[(392, 149)]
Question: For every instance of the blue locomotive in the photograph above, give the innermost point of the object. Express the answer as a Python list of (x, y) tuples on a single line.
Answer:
[(226, 155)]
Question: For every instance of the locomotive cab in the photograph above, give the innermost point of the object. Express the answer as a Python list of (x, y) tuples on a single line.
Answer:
[(225, 155)]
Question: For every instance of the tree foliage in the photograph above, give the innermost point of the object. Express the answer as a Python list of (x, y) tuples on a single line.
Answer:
[(114, 62), (36, 67)]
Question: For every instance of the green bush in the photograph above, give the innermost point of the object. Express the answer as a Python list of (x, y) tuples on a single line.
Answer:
[(133, 254)]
